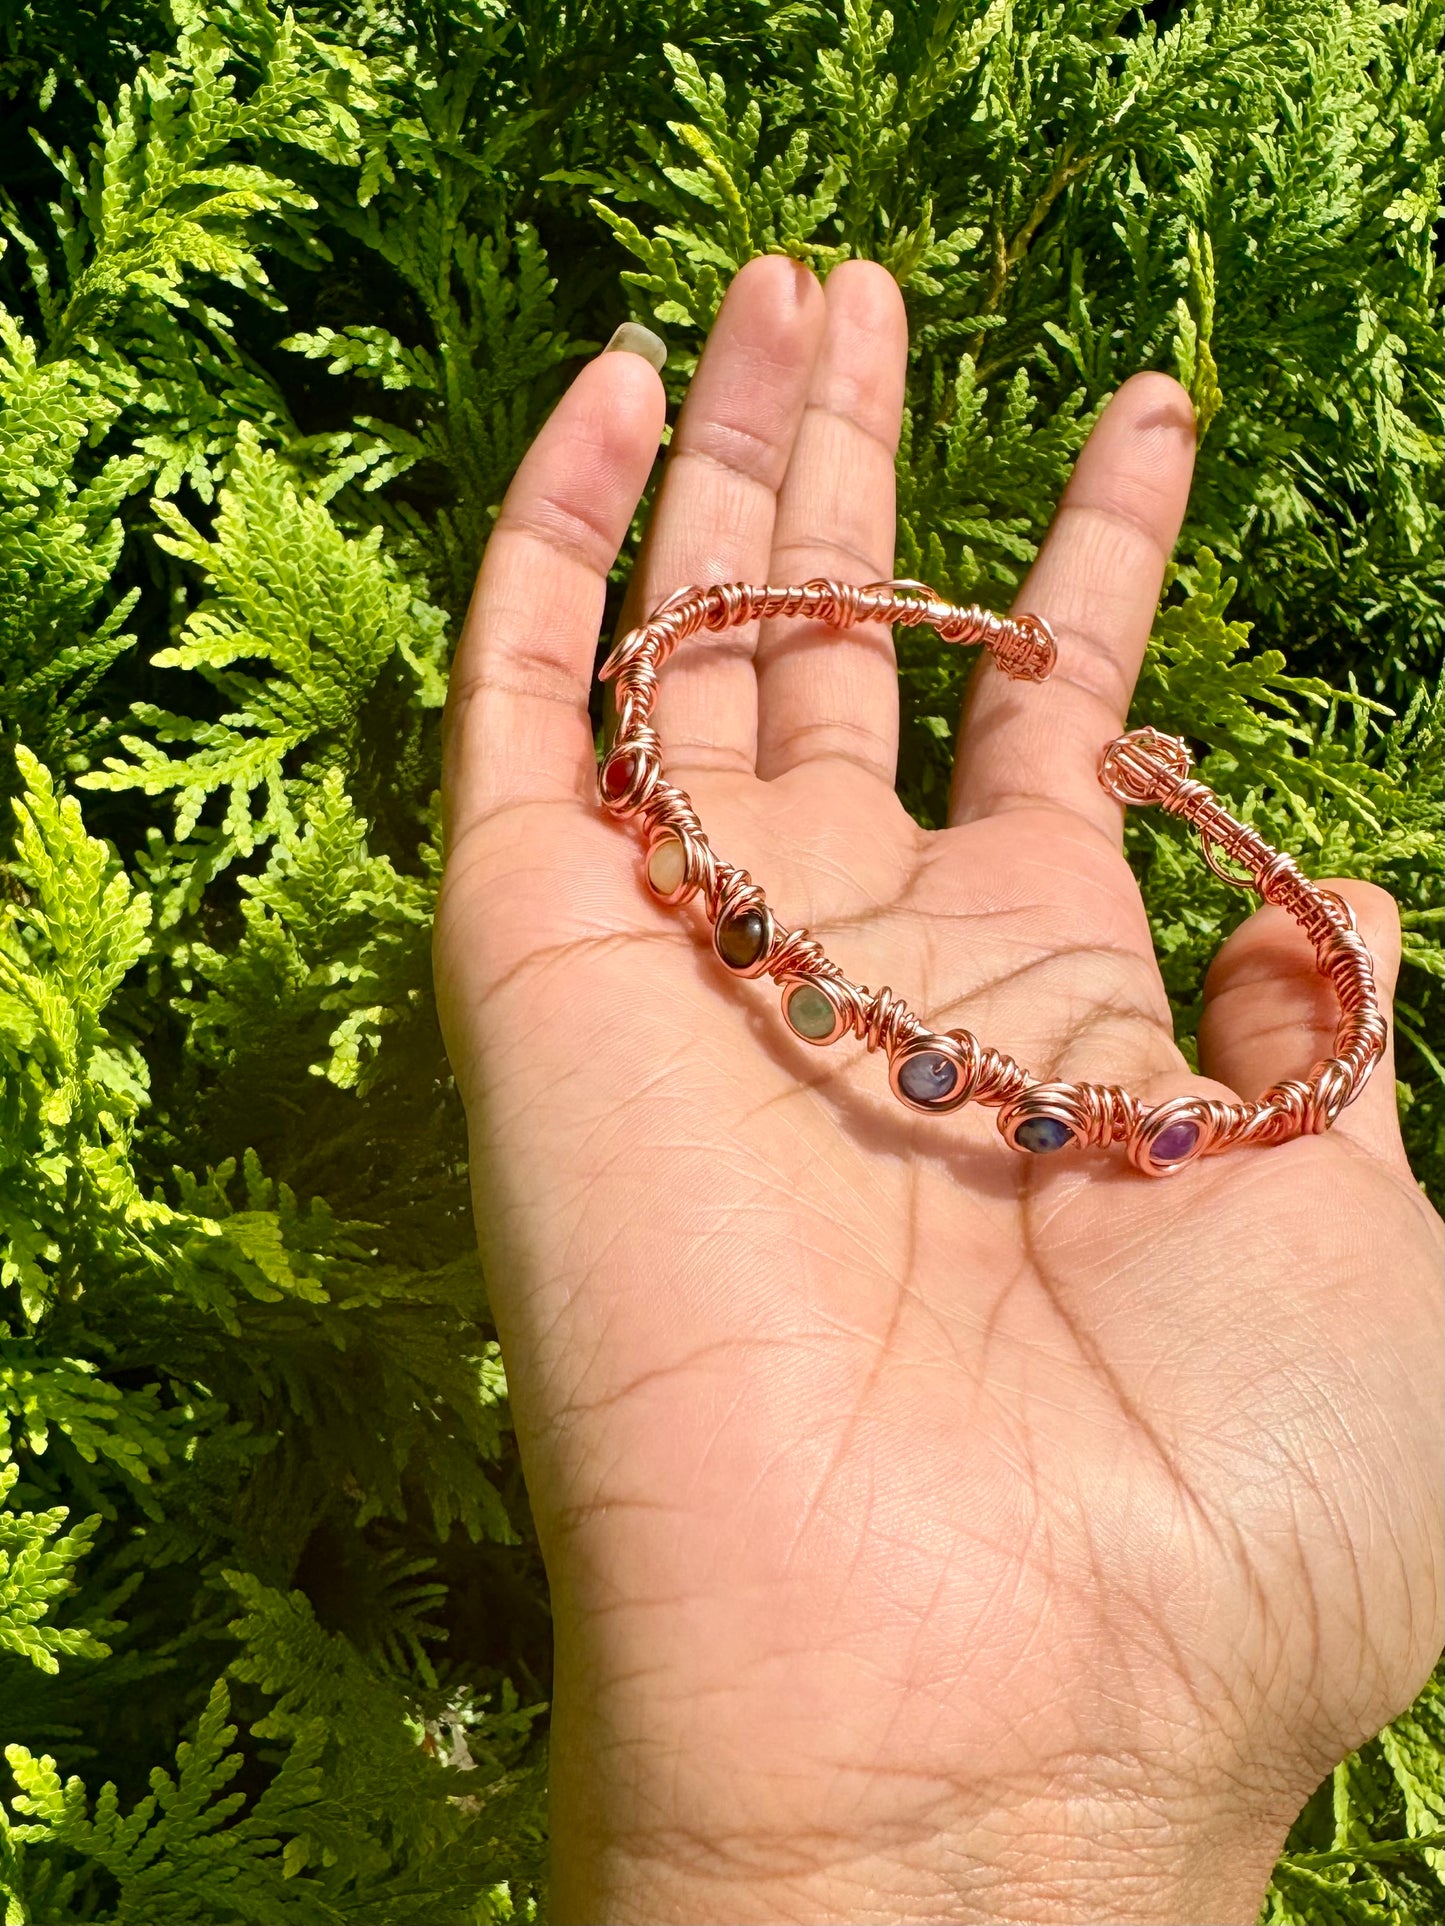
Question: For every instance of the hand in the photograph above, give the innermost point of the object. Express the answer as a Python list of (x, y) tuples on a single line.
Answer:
[(934, 1531)]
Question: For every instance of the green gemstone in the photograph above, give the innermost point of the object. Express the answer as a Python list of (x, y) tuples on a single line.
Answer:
[(810, 1013)]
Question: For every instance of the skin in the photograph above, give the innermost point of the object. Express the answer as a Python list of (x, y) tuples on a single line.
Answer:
[(934, 1532)]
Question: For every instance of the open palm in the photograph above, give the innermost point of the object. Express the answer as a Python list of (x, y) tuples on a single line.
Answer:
[(934, 1531)]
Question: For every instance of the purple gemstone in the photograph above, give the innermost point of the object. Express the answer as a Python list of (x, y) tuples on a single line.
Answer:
[(928, 1077), (1174, 1143)]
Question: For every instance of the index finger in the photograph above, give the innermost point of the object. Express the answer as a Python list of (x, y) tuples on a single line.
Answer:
[(516, 726)]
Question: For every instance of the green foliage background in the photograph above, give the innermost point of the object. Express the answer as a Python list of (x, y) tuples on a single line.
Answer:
[(284, 298)]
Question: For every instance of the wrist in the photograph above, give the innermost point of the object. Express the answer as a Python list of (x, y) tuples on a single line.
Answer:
[(981, 1879), (1125, 1853)]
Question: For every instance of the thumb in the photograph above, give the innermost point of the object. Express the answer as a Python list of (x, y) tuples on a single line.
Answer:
[(1269, 1014)]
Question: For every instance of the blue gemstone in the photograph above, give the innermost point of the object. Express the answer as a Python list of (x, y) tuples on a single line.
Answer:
[(1042, 1134), (928, 1077)]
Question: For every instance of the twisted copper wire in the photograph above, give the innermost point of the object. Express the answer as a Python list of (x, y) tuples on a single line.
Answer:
[(1140, 767), (1147, 767), (997, 1079), (1023, 647)]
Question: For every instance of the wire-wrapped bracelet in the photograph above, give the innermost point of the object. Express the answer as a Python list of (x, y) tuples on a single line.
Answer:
[(936, 1071)]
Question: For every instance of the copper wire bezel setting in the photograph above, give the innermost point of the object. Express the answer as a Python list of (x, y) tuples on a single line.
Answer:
[(790, 986), (936, 1043)]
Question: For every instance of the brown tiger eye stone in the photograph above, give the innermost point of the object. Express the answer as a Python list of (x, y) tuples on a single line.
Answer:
[(742, 938)]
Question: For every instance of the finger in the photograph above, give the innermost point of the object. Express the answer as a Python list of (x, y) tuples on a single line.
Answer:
[(713, 521), (1269, 1014), (1097, 579), (516, 726), (826, 693)]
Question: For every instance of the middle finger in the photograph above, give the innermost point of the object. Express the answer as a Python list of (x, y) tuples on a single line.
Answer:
[(825, 694)]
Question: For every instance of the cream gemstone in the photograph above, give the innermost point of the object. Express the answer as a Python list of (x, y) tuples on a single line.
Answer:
[(667, 865)]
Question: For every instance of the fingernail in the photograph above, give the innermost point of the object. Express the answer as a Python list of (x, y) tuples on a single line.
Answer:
[(633, 338)]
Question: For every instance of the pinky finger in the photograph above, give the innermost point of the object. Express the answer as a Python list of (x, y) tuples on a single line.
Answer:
[(1269, 1014)]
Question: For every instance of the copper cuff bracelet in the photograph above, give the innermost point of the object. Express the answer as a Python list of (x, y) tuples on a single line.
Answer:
[(938, 1071)]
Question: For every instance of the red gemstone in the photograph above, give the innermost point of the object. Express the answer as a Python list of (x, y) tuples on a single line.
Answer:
[(617, 774)]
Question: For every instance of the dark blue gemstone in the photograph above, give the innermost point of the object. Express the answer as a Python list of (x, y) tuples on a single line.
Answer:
[(1043, 1133), (928, 1078)]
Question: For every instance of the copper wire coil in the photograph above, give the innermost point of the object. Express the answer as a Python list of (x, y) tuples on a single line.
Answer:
[(1022, 647), (1094, 1114)]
